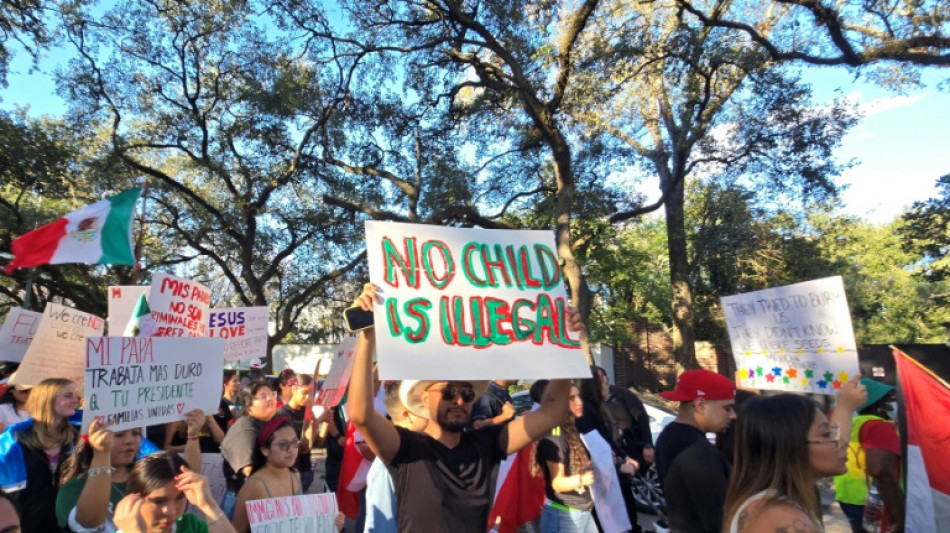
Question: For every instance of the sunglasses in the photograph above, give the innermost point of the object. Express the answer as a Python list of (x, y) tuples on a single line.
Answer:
[(451, 392)]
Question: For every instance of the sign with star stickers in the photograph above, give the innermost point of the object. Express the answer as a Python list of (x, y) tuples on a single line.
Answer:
[(794, 338)]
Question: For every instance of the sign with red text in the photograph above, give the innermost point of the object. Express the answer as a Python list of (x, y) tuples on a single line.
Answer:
[(179, 306), (334, 386), (461, 303), (122, 300), (137, 381), (794, 338), (313, 513), (58, 346), (243, 329), (17, 332)]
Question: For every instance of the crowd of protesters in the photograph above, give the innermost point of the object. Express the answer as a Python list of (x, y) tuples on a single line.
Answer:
[(434, 450)]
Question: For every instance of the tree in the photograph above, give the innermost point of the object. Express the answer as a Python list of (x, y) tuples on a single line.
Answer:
[(221, 114), (687, 99), (926, 233), (844, 33), (21, 21)]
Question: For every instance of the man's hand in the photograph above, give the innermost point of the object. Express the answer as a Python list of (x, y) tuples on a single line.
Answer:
[(629, 466), (852, 395), (507, 411)]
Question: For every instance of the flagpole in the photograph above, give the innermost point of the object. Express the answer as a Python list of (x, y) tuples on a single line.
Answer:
[(28, 297), (141, 234)]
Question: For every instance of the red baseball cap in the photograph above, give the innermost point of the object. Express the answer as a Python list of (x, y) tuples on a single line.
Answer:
[(701, 383)]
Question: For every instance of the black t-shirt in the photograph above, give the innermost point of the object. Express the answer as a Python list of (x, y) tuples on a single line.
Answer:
[(554, 448), (446, 489), (224, 415), (237, 449), (694, 476), (297, 417)]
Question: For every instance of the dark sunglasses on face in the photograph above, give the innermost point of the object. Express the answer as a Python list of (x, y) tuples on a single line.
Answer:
[(451, 392)]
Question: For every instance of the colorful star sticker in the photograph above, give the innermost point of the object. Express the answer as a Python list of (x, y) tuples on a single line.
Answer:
[(785, 380), (843, 377), (828, 376), (804, 382), (840, 349), (751, 373), (781, 351), (770, 378), (777, 371), (748, 353), (822, 383), (792, 372), (836, 384), (820, 350), (809, 373), (799, 351), (758, 370), (765, 352)]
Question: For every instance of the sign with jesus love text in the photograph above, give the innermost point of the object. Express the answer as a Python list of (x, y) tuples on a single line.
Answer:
[(137, 381), (470, 304)]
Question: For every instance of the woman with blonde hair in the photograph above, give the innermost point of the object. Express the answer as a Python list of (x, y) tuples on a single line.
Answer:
[(33, 452), (784, 445)]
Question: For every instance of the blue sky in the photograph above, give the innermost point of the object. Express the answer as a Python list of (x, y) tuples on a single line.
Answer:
[(900, 148)]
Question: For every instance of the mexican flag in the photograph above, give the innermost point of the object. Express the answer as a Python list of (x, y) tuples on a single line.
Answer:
[(97, 233), (141, 324), (927, 409)]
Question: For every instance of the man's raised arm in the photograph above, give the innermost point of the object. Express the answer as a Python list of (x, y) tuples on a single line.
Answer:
[(379, 433)]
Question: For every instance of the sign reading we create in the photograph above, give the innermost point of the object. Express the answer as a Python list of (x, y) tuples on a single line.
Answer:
[(310, 512), (470, 304), (134, 381)]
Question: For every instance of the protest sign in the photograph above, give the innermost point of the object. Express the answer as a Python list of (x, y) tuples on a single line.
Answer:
[(212, 467), (470, 304), (122, 300), (17, 332), (244, 330), (794, 338), (179, 306), (58, 347), (135, 381), (334, 386), (313, 513)]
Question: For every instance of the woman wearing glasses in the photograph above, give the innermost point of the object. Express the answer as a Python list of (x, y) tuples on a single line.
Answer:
[(259, 403), (274, 473), (784, 445)]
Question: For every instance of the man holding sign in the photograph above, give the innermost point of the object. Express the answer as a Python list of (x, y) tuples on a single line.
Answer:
[(442, 476)]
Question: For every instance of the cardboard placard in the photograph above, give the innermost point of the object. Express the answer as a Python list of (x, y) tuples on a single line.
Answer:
[(795, 338), (463, 303), (179, 306), (334, 386), (313, 513), (244, 330), (59, 346), (122, 300), (136, 381), (19, 327)]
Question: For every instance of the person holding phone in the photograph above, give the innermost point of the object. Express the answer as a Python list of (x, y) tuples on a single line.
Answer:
[(562, 459)]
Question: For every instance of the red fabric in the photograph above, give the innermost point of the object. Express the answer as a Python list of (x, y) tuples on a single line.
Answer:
[(880, 435), (520, 497), (349, 501), (927, 408), (701, 383), (37, 247)]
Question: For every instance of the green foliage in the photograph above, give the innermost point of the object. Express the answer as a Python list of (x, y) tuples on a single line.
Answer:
[(926, 233)]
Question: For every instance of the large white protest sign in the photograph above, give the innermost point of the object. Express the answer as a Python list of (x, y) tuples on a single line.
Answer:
[(795, 338), (244, 330), (135, 381), (122, 300), (179, 306), (17, 332), (470, 304), (313, 513), (334, 386), (59, 346)]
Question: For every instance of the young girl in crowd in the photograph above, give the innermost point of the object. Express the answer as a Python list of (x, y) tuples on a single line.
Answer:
[(159, 487), (33, 452), (96, 477), (285, 386), (274, 473), (784, 445), (562, 459), (13, 405)]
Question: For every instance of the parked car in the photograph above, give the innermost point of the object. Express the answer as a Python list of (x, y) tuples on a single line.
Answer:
[(522, 402), (659, 418)]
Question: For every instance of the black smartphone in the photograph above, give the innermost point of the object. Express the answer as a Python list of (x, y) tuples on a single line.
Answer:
[(356, 319)]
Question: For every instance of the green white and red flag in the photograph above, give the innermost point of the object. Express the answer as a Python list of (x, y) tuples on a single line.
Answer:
[(96, 233)]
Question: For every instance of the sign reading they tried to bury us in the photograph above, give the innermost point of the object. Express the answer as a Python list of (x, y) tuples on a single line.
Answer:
[(795, 338), (468, 304), (136, 381)]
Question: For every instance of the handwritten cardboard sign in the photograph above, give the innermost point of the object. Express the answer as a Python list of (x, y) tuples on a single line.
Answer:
[(138, 381), (470, 304), (311, 512), (179, 306), (122, 300), (334, 386), (244, 330), (59, 346), (795, 338), (17, 332)]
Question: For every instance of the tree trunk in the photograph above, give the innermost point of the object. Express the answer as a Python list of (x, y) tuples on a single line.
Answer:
[(684, 349)]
